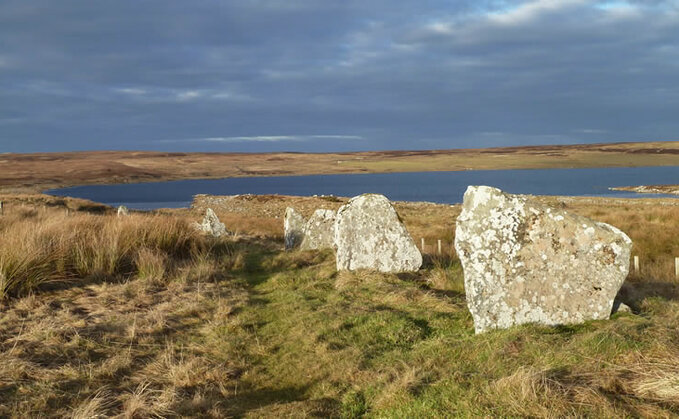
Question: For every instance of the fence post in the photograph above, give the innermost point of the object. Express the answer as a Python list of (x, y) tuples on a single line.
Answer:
[(439, 244), (676, 268), (636, 264), (422, 244), (1, 210)]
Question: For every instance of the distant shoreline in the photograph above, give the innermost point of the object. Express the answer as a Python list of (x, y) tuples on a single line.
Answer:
[(31, 173), (650, 189)]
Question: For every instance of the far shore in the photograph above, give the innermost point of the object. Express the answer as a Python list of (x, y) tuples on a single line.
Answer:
[(650, 189), (31, 173)]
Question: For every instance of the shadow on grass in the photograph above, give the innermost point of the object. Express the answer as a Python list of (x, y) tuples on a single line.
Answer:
[(634, 292), (245, 402)]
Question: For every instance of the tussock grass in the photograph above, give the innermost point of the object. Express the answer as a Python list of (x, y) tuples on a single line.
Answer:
[(42, 248), (150, 318)]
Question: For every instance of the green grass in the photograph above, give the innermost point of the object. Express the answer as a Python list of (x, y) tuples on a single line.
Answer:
[(390, 347), (183, 325)]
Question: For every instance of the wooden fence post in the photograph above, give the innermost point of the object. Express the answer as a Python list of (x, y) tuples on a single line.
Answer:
[(1, 210), (439, 243), (676, 268), (636, 264)]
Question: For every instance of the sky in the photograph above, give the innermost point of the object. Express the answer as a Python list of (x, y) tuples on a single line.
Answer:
[(312, 75)]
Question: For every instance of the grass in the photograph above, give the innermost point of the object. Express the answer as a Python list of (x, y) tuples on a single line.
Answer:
[(140, 316)]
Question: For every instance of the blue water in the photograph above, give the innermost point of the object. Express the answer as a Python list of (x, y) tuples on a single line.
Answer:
[(442, 187)]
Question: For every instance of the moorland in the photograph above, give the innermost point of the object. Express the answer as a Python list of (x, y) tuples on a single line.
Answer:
[(142, 316), (39, 171)]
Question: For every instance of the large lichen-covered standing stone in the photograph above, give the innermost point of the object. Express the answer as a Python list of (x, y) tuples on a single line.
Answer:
[(525, 262), (293, 226), (369, 235), (319, 230)]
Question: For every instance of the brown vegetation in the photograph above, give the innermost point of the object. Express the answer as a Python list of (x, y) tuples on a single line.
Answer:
[(33, 172), (141, 316)]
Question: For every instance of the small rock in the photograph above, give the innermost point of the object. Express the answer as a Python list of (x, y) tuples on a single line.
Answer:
[(319, 231), (620, 307), (525, 262), (293, 226), (370, 235)]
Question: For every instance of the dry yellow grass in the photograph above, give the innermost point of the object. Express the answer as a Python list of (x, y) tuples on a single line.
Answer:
[(140, 316)]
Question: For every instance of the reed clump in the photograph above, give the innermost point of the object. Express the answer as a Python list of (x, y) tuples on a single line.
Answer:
[(38, 248)]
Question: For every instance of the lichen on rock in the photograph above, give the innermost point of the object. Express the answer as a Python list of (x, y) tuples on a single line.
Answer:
[(370, 235), (525, 262), (211, 225), (293, 226), (319, 230)]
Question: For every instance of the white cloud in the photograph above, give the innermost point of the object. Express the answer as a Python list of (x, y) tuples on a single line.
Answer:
[(532, 10), (267, 138), (270, 138), (131, 91), (188, 95)]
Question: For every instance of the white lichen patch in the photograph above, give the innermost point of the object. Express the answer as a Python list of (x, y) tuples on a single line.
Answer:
[(524, 262), (369, 235), (319, 230)]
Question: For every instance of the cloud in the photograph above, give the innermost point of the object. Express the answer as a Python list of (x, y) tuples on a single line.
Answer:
[(269, 138), (394, 74)]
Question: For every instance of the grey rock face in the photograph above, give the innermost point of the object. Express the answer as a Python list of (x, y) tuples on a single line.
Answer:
[(211, 224), (525, 262), (369, 235), (293, 226), (122, 211), (319, 230)]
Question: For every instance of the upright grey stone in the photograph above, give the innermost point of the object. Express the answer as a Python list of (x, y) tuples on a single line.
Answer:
[(370, 235), (319, 230), (123, 211), (211, 224), (293, 226), (525, 262)]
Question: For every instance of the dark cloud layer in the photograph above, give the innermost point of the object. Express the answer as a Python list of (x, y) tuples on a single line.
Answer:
[(316, 75)]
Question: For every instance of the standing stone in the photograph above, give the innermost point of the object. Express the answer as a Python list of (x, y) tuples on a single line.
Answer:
[(211, 224), (370, 235), (123, 211), (525, 262), (319, 231), (293, 226)]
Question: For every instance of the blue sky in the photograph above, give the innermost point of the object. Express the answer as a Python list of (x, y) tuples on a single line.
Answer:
[(303, 75)]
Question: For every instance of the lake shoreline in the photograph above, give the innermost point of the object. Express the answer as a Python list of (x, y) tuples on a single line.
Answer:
[(21, 173), (435, 187), (650, 189)]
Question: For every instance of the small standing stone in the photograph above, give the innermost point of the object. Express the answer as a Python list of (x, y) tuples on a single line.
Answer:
[(211, 224), (370, 235), (293, 226), (319, 231)]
